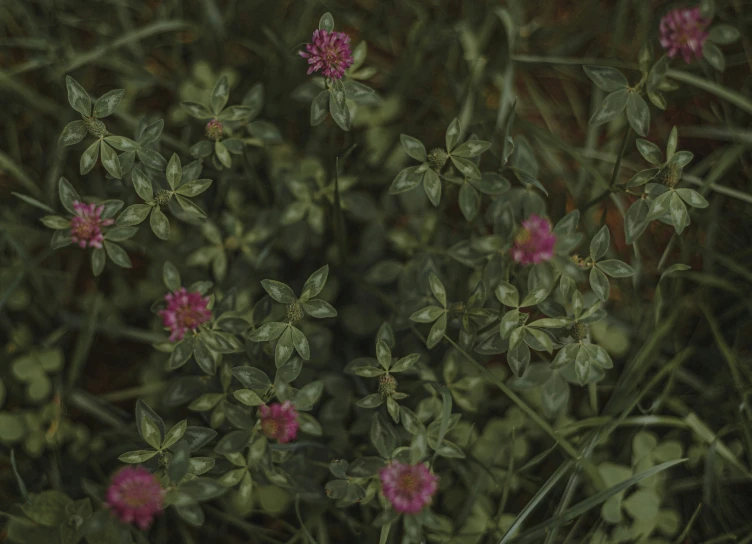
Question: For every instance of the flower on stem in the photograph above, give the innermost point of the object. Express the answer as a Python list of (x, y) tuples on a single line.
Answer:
[(534, 242), (279, 421), (86, 225), (408, 487), (185, 311), (328, 52), (683, 31), (135, 496)]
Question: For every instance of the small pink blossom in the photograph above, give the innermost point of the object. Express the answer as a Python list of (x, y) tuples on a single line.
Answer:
[(279, 421), (534, 242), (86, 225), (408, 487), (329, 52), (185, 311), (683, 30), (135, 496), (214, 130)]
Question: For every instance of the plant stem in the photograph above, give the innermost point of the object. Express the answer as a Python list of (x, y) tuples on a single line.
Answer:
[(614, 173), (622, 150)]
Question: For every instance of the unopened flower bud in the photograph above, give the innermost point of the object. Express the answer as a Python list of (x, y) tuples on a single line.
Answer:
[(437, 158), (164, 458), (457, 309), (162, 197), (214, 130), (523, 318), (95, 127), (670, 175), (387, 385), (294, 312), (579, 331)]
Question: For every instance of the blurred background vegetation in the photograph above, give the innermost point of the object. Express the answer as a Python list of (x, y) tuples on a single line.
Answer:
[(70, 341)]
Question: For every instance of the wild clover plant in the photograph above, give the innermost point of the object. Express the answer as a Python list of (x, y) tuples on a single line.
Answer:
[(302, 346)]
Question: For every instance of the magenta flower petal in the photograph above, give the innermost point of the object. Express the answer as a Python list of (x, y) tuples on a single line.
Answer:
[(185, 311), (279, 421), (135, 496), (408, 487), (683, 31), (534, 243), (328, 52), (86, 225)]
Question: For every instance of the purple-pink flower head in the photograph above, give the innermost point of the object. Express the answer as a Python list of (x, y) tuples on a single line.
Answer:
[(534, 242), (328, 52), (86, 225), (279, 421), (185, 312), (408, 487), (214, 130), (135, 496), (684, 31)]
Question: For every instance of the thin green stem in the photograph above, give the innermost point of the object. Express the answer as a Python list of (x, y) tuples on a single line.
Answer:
[(720, 91), (614, 174), (619, 157)]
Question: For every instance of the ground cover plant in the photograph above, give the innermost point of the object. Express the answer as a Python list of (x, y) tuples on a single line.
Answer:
[(417, 271)]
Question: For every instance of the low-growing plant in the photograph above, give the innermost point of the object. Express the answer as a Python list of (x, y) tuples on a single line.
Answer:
[(434, 303)]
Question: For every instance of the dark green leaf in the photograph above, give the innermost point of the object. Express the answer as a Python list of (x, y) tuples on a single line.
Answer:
[(320, 108), (326, 22), (615, 268), (319, 309), (407, 179), (98, 259), (606, 78), (89, 158), (107, 103), (118, 234), (452, 134), (714, 56), (611, 107), (599, 284), (151, 133), (78, 98), (600, 243), (723, 34), (251, 377), (413, 147), (110, 161), (236, 113), (152, 159), (693, 198), (196, 110), (638, 114), (160, 225), (338, 105), (469, 201), (223, 154), (635, 222), (122, 143), (432, 187), (679, 214), (133, 215), (194, 188), (649, 151), (315, 283), (74, 132)]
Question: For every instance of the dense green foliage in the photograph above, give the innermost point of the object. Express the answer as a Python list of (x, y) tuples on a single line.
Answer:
[(358, 241)]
